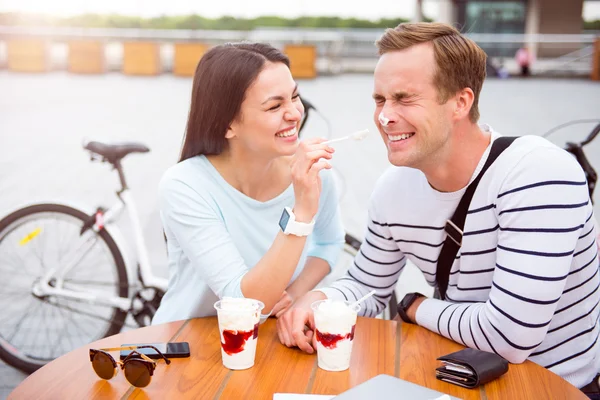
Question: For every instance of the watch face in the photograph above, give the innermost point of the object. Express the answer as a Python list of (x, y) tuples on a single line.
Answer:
[(283, 221)]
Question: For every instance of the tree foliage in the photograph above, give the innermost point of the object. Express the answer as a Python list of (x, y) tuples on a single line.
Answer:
[(192, 22), (591, 25)]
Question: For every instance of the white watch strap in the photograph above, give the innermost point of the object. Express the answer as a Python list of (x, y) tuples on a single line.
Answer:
[(296, 228)]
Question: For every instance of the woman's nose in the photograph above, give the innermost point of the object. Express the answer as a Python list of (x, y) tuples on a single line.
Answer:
[(293, 114)]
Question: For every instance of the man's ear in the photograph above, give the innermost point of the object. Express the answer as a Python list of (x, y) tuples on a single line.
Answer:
[(464, 102)]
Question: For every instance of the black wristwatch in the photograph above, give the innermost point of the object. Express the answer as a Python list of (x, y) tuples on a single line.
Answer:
[(405, 304)]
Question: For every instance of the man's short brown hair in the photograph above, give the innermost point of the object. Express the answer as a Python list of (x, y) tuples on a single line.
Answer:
[(460, 62)]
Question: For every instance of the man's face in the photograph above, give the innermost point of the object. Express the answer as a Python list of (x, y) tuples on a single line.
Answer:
[(418, 126)]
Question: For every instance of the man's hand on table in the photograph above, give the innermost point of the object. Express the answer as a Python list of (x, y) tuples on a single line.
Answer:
[(283, 304), (296, 326)]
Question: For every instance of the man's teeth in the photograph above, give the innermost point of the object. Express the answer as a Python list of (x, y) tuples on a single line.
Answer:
[(291, 132), (402, 136)]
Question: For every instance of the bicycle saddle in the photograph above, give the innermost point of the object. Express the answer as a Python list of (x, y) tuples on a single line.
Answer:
[(115, 151)]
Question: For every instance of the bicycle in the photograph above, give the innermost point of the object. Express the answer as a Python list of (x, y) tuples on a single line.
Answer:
[(85, 300), (94, 298), (577, 150)]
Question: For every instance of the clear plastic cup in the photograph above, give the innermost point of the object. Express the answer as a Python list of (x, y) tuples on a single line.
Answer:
[(239, 319), (335, 325)]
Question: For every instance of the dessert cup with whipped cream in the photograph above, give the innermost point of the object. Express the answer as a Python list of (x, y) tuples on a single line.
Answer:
[(239, 319), (335, 322)]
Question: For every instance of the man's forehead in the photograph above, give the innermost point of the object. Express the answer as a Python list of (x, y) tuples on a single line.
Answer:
[(403, 71), (401, 84)]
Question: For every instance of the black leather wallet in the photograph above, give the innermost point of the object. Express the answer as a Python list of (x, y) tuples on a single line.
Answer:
[(470, 368)]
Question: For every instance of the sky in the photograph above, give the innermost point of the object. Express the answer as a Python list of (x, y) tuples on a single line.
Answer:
[(365, 9)]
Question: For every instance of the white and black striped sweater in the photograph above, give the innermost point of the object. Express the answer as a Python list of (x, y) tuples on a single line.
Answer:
[(524, 284)]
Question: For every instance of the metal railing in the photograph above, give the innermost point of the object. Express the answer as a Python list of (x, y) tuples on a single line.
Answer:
[(339, 50)]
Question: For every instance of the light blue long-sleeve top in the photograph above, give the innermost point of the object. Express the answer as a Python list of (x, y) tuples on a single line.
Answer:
[(216, 234)]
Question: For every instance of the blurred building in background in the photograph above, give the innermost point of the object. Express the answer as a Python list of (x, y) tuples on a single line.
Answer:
[(514, 16), (551, 31), (532, 17)]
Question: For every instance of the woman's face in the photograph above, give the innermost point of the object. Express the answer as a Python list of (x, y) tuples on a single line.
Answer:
[(270, 114)]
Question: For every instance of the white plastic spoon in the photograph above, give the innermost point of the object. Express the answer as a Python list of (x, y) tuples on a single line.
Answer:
[(360, 135), (366, 296)]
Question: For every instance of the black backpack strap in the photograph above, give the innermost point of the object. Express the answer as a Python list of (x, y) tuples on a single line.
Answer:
[(454, 226)]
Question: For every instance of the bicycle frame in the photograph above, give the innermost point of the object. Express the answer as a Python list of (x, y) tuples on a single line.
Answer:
[(127, 202), (109, 217)]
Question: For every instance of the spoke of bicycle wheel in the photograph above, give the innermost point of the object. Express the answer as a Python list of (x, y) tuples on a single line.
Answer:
[(50, 312), (67, 325), (53, 347), (5, 272), (7, 318), (67, 241), (40, 320), (27, 333), (18, 325), (52, 318), (9, 258), (30, 247), (16, 273), (82, 329), (61, 227), (77, 257), (62, 233), (96, 259), (34, 248), (90, 270), (13, 305), (60, 336), (96, 317), (39, 248), (91, 317), (57, 239), (14, 259), (64, 332), (20, 293), (64, 329), (84, 270)]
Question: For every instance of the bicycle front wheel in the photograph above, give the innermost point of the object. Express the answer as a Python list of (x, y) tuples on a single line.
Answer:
[(36, 241)]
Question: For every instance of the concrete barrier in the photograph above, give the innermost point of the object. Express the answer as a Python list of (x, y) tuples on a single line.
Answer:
[(86, 57), (186, 58), (141, 58), (303, 60), (28, 55)]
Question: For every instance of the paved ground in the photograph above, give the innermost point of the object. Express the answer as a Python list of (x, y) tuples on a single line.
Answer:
[(44, 118)]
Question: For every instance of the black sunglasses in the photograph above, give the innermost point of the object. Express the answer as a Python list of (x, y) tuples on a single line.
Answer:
[(137, 367)]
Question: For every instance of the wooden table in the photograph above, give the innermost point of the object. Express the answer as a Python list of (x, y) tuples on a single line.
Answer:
[(402, 350)]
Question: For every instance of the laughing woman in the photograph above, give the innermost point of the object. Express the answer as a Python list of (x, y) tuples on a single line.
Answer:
[(248, 211)]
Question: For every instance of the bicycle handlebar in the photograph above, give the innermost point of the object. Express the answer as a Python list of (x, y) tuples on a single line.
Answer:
[(591, 136), (307, 107)]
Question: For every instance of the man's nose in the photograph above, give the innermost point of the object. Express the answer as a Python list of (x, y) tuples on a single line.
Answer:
[(386, 117)]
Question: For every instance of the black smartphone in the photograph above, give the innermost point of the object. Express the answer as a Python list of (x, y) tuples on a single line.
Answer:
[(170, 350)]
